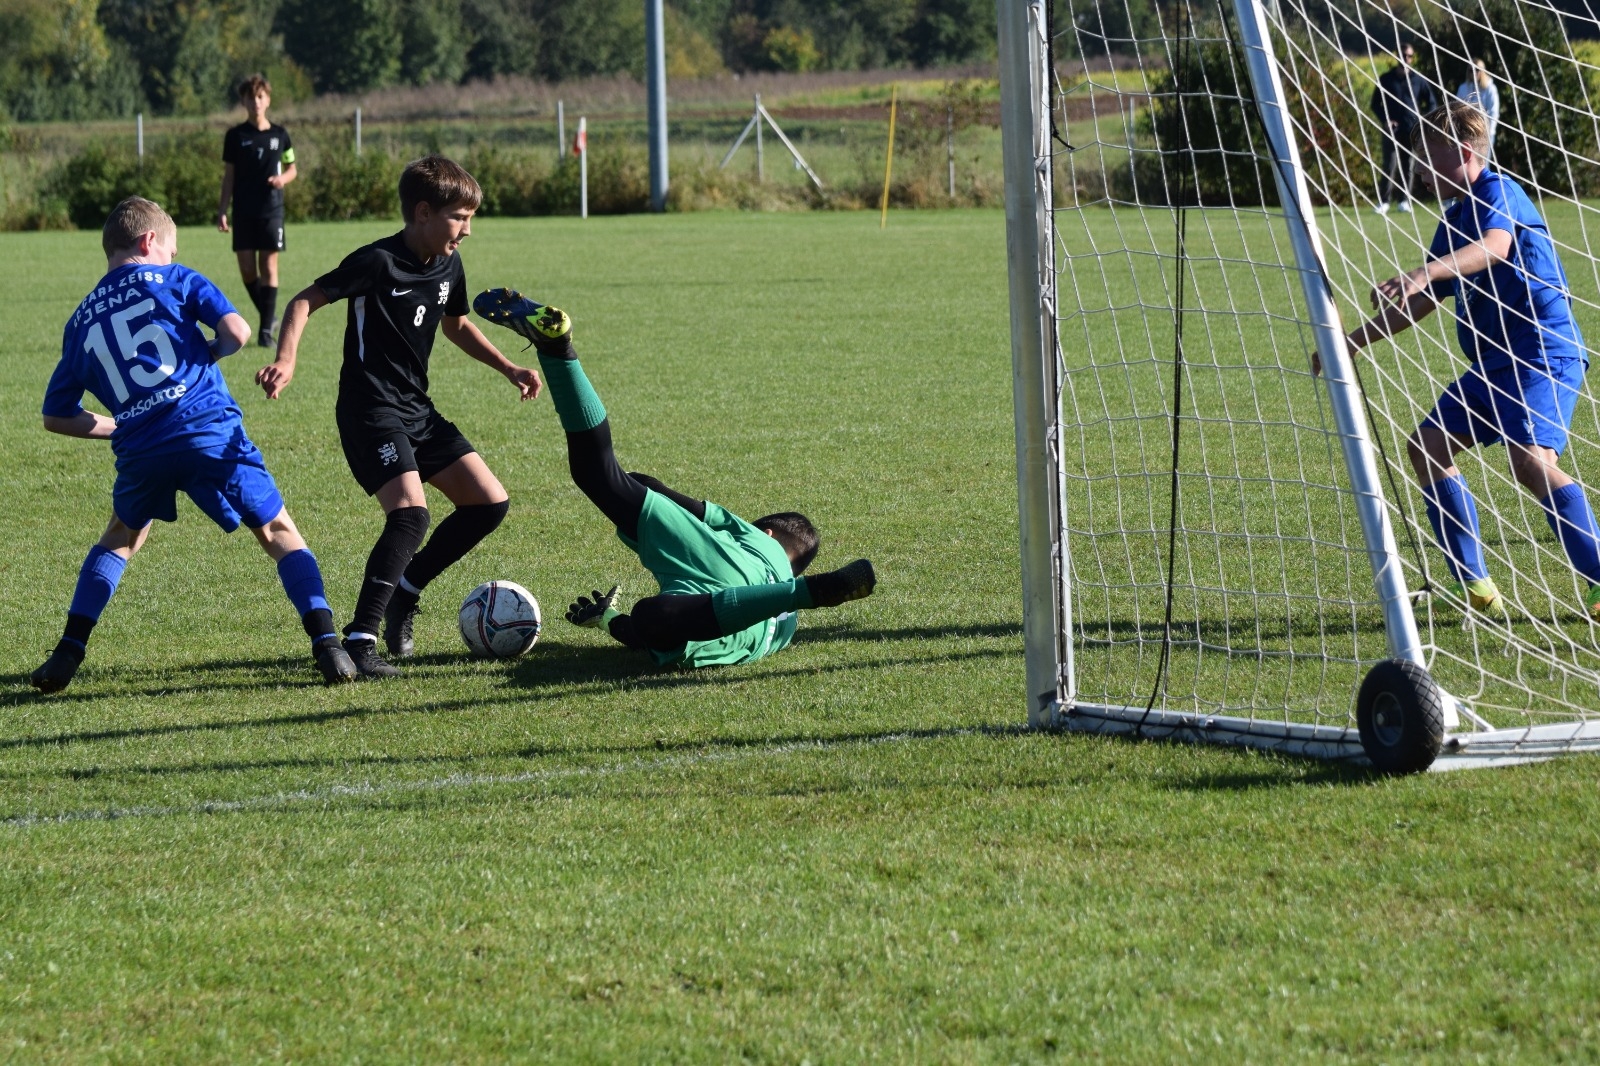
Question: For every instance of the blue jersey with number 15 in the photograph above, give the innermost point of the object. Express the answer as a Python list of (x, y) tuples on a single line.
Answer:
[(135, 344)]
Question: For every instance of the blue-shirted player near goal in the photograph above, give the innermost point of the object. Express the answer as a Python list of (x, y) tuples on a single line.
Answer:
[(1514, 322), (135, 344)]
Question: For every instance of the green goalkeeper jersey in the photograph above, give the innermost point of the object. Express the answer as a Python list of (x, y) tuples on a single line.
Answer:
[(690, 557)]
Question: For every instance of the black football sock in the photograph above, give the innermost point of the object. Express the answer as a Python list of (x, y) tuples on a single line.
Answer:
[(403, 530), (253, 287), (267, 304), (458, 534), (318, 624), (79, 626)]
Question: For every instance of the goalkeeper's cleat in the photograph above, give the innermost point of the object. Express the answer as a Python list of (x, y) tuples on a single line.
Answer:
[(57, 672), (1591, 602), (397, 622), (854, 581), (334, 663), (1482, 596), (595, 613), (364, 654), (548, 328)]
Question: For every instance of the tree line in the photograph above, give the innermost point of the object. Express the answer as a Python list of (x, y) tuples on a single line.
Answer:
[(83, 59)]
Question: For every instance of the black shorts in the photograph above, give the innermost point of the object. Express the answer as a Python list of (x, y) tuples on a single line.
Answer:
[(258, 234), (379, 451)]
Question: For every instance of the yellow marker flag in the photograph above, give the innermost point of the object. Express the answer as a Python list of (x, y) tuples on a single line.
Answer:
[(888, 162)]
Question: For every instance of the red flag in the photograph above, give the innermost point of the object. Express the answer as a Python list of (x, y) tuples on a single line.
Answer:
[(581, 141)]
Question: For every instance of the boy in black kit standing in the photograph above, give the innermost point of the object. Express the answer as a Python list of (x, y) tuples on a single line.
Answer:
[(402, 290), (258, 161)]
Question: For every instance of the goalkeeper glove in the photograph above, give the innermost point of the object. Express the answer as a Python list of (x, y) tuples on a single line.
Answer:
[(595, 613)]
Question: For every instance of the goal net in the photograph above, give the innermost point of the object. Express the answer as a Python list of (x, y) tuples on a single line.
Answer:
[(1219, 542)]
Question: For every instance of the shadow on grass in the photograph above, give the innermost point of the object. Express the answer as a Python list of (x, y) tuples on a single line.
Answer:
[(535, 751), (562, 672)]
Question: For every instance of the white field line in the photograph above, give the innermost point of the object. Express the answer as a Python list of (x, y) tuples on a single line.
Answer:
[(365, 789)]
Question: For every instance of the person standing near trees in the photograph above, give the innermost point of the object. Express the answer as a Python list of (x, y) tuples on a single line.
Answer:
[(257, 162), (1401, 99), (1479, 91)]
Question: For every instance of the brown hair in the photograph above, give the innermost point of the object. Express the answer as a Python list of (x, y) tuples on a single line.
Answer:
[(1457, 122), (253, 84), (130, 220), (439, 183)]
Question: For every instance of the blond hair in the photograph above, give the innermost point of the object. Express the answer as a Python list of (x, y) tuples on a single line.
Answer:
[(1457, 122), (130, 220)]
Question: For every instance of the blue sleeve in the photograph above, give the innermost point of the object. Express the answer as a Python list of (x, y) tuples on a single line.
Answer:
[(1438, 249), (205, 301), (63, 397), (1492, 211)]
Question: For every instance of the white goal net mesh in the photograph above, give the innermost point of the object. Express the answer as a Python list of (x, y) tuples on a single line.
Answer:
[(1216, 560)]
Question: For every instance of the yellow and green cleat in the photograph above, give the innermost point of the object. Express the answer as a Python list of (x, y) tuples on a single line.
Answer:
[(1482, 597), (539, 323)]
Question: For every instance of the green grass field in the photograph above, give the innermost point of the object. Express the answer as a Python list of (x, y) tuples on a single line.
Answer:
[(847, 852)]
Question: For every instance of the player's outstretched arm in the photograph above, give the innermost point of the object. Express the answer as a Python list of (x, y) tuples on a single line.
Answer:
[(275, 377), (85, 424), (460, 331), (233, 333)]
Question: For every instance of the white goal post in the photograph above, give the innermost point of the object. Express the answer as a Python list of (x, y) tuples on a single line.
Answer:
[(1219, 543)]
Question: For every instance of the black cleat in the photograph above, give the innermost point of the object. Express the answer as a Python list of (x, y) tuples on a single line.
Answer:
[(854, 581), (265, 338), (364, 656), (397, 619), (334, 663), (548, 328), (58, 670)]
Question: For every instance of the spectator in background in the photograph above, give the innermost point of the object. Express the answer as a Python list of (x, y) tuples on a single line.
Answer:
[(1399, 102), (1479, 91)]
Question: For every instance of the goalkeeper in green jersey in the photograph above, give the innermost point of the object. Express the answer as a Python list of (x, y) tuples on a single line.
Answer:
[(729, 588)]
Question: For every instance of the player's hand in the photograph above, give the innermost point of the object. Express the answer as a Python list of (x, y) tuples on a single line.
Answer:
[(1397, 290), (588, 612), (275, 377), (526, 380), (275, 180), (222, 222)]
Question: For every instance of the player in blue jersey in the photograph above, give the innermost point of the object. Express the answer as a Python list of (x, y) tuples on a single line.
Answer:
[(135, 344), (1493, 253)]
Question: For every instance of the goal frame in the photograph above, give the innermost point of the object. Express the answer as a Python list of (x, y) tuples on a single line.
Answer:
[(1026, 87)]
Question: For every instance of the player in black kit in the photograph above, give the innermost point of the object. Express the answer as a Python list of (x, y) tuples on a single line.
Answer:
[(258, 161), (402, 289)]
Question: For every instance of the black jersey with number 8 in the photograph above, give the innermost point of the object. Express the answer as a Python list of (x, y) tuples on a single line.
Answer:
[(396, 302)]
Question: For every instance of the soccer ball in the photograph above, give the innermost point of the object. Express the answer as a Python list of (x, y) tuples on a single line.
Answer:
[(500, 620)]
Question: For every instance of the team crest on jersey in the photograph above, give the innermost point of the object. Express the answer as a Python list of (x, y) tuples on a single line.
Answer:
[(444, 291), (273, 144), (388, 453)]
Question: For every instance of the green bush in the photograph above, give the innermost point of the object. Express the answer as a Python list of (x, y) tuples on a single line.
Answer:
[(340, 185)]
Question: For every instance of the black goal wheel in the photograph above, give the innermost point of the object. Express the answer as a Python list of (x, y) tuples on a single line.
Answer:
[(1400, 715)]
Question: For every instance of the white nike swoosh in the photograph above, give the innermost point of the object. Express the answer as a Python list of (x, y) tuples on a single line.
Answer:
[(399, 292)]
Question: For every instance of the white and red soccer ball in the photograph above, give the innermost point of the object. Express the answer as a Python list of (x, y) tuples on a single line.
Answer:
[(500, 620)]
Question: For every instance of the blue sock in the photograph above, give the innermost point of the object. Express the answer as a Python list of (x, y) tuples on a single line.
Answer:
[(302, 580), (1567, 511), (1454, 516), (97, 580)]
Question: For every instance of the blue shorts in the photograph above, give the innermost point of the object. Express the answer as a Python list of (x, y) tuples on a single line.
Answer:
[(1520, 404), (230, 484)]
